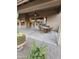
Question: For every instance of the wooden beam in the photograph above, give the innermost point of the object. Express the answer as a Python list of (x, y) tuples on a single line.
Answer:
[(21, 1)]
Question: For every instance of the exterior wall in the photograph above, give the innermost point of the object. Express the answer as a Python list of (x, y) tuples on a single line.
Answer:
[(54, 21)]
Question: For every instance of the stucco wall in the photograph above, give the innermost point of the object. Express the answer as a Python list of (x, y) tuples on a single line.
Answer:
[(54, 21)]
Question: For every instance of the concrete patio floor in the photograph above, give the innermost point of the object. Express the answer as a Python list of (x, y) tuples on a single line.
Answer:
[(51, 39)]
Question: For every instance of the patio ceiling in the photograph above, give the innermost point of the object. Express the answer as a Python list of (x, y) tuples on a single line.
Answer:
[(37, 5)]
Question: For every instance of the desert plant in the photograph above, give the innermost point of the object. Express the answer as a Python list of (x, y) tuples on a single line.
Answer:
[(37, 52)]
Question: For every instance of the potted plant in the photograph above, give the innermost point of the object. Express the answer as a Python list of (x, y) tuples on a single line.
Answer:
[(21, 38)]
